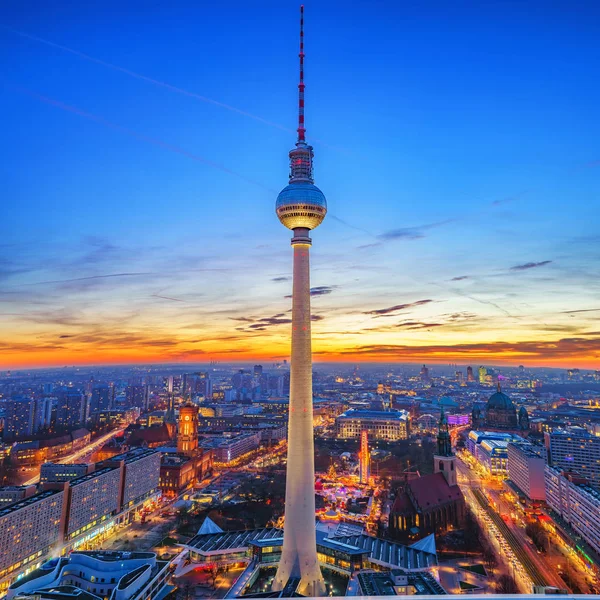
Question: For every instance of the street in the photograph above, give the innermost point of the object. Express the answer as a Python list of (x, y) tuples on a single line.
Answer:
[(79, 455)]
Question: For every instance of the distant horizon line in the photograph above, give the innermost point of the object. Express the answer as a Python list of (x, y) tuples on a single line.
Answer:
[(208, 365)]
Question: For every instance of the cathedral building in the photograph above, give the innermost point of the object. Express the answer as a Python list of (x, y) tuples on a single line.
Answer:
[(432, 503), (500, 412)]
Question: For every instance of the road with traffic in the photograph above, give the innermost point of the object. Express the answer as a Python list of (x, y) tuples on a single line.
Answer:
[(80, 455)]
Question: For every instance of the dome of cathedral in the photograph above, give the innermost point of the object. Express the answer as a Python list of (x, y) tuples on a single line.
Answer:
[(500, 401)]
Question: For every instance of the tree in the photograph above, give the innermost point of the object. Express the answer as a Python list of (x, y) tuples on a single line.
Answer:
[(538, 535), (489, 558), (507, 585)]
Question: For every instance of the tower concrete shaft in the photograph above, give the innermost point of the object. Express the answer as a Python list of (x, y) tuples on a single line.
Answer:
[(299, 556)]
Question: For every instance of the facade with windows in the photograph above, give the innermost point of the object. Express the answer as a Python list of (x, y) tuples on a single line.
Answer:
[(389, 425), (29, 529), (93, 499), (575, 450), (526, 465), (569, 495)]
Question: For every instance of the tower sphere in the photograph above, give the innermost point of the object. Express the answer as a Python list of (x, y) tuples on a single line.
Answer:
[(301, 204)]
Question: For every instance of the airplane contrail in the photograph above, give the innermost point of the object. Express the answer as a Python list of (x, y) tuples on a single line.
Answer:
[(133, 133), (164, 84), (145, 78)]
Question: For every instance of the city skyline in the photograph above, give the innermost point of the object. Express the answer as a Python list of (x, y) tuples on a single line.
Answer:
[(457, 187)]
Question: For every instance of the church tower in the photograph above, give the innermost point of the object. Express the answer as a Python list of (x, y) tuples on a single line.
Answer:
[(187, 437), (444, 461)]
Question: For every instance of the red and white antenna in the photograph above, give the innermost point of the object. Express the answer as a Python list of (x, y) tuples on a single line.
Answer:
[(301, 128)]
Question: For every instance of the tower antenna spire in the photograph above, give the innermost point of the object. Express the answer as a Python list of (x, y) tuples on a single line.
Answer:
[(301, 128)]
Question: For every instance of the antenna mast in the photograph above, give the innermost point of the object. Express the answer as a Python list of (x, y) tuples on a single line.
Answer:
[(301, 129)]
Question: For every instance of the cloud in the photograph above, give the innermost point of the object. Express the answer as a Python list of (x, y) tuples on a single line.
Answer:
[(575, 347), (262, 324), (321, 290), (411, 325), (411, 233), (530, 265), (278, 279), (509, 199), (460, 278), (317, 317), (583, 310), (382, 312)]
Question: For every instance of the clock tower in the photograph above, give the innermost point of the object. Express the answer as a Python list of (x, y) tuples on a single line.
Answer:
[(187, 437)]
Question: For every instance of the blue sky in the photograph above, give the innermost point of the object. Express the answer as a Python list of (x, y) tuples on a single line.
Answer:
[(451, 141)]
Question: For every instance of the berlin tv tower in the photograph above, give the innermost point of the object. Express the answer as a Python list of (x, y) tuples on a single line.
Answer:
[(301, 206)]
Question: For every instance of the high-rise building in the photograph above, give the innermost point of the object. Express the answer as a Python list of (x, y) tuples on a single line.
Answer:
[(18, 420), (301, 207), (187, 436), (424, 373), (482, 375), (101, 398), (575, 450), (136, 396), (42, 416), (70, 408), (203, 385), (526, 469), (470, 376)]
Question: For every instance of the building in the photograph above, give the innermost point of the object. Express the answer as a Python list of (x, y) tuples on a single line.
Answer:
[(500, 411), (301, 207), (187, 436), (490, 449), (42, 416), (29, 530), (136, 396), (482, 374), (36, 452), (431, 503), (18, 419), (94, 576), (102, 398), (470, 376), (70, 408), (13, 493), (140, 475), (388, 425), (92, 499), (345, 553), (58, 473), (229, 447), (526, 469), (177, 472), (571, 496), (68, 514), (575, 450)]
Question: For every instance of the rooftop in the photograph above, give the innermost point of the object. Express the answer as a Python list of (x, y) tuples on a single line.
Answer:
[(386, 415), (433, 490), (93, 475), (28, 502)]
